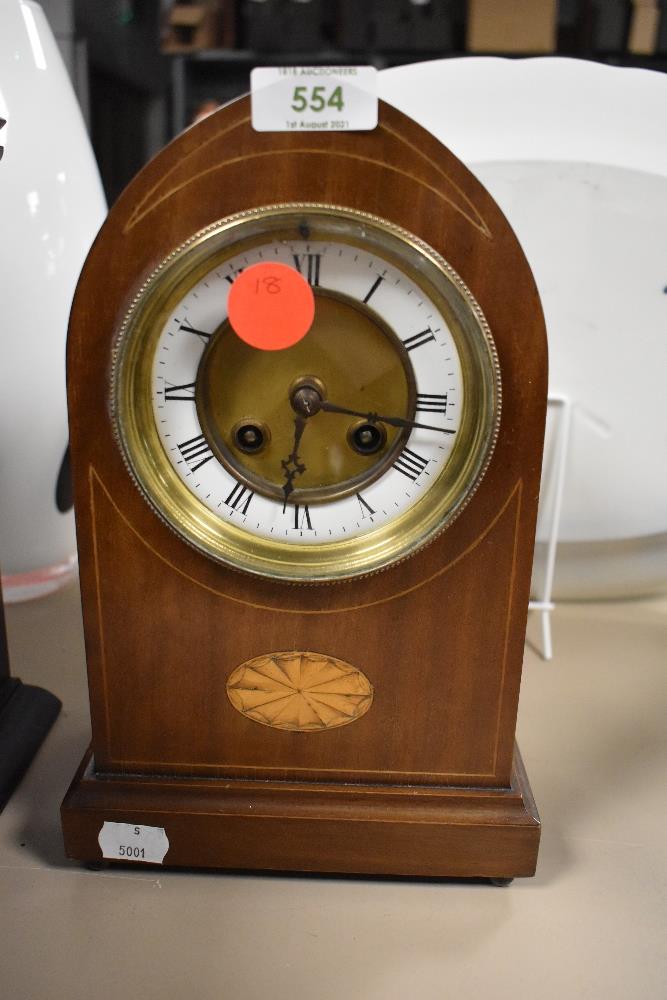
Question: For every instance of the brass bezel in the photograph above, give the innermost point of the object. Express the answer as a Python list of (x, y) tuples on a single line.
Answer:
[(227, 542)]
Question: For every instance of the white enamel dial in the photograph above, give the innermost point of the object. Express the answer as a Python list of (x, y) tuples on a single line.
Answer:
[(431, 351), (398, 355)]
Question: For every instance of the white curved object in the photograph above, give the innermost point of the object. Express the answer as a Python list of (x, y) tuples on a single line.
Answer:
[(575, 153), (52, 205)]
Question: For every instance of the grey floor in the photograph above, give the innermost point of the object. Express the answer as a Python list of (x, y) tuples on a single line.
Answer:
[(591, 924)]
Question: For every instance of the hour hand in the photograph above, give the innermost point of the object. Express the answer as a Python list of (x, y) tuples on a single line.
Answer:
[(292, 466), (376, 418)]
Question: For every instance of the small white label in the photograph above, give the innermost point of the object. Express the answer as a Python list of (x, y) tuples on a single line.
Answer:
[(130, 842), (314, 98)]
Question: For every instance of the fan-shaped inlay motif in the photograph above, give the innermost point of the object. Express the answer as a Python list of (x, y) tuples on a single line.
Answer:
[(303, 692)]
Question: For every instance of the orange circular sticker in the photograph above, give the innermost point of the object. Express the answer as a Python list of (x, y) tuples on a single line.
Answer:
[(271, 306)]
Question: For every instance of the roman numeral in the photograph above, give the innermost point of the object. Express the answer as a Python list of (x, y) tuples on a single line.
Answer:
[(311, 261), (198, 333), (428, 402), (364, 507), (231, 278), (195, 452), (184, 392), (239, 498), (417, 339), (302, 517), (411, 464), (3, 122), (374, 287)]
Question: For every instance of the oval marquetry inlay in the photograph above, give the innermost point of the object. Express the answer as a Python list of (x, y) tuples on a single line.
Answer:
[(302, 692)]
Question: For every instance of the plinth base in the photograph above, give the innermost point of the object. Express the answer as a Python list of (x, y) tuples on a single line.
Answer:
[(328, 828)]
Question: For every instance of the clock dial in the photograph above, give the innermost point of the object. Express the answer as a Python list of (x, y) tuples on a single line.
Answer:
[(333, 457)]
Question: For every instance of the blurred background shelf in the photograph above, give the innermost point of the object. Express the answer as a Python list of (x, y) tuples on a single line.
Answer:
[(143, 69)]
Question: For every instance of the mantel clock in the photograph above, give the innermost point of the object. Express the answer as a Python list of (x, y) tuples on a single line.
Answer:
[(305, 571)]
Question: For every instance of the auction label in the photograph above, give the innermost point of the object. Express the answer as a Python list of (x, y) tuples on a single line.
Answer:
[(314, 98), (132, 842)]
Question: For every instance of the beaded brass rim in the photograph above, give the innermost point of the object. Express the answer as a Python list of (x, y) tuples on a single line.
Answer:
[(226, 542)]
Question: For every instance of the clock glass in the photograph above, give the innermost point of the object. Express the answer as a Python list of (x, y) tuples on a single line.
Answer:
[(336, 456)]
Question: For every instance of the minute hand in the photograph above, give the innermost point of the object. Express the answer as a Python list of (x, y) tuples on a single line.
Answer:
[(376, 418)]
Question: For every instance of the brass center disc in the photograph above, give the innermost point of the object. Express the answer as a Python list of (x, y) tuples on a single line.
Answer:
[(348, 350)]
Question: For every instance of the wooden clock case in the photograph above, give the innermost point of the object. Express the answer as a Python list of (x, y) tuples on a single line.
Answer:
[(429, 781)]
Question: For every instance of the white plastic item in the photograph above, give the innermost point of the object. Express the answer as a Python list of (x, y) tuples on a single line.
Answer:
[(51, 206), (575, 153)]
